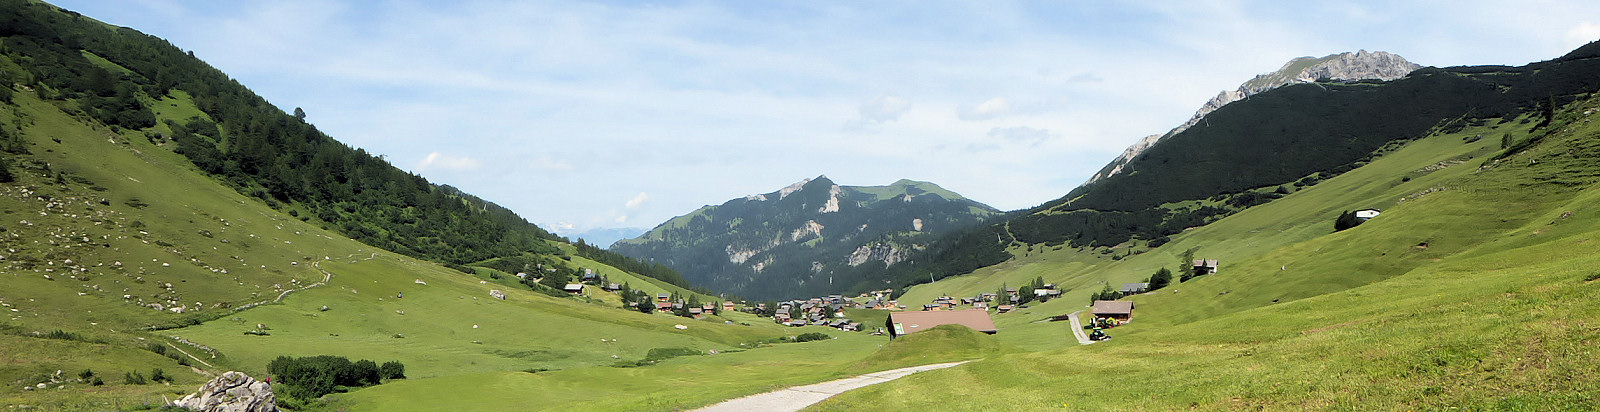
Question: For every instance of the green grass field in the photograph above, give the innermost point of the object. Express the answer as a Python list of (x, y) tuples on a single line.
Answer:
[(1474, 296), (1474, 290)]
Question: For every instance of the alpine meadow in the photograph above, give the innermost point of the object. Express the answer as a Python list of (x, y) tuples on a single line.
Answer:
[(1350, 232)]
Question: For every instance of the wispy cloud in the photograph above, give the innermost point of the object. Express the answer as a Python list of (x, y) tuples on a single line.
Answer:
[(989, 109), (637, 200), (1583, 33), (441, 161), (885, 108), (1023, 135)]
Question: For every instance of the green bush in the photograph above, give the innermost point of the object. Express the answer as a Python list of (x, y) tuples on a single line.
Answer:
[(133, 378), (311, 377), (811, 336), (158, 375)]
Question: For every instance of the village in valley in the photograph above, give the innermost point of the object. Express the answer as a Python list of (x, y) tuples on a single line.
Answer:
[(976, 312)]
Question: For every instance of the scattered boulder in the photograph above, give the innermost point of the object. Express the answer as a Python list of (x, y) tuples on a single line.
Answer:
[(231, 392), (497, 294)]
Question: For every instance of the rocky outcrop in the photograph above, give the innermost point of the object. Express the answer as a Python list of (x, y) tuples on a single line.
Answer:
[(1361, 65), (231, 392), (882, 252)]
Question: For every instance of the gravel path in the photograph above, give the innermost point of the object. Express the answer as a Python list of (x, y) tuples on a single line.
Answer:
[(1077, 329), (799, 397)]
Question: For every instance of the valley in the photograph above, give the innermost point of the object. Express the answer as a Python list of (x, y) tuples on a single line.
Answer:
[(161, 225)]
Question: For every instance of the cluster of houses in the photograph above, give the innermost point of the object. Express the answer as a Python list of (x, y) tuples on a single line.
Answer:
[(823, 311), (987, 300), (665, 304), (588, 278)]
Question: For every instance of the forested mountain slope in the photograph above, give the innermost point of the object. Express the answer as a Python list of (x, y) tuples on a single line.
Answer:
[(811, 238), (1252, 151)]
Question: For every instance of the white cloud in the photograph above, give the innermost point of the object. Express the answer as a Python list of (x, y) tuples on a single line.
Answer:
[(1023, 135), (549, 163), (1583, 33), (441, 161), (636, 200), (877, 111), (989, 109), (884, 108)]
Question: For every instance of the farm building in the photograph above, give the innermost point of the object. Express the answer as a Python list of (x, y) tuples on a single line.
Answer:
[(1135, 288), (903, 323), (1115, 309)]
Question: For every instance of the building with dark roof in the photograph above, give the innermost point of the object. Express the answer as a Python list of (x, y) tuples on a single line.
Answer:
[(1115, 309)]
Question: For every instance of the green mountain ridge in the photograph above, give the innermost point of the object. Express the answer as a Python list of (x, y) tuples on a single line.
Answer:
[(1252, 151), (812, 237)]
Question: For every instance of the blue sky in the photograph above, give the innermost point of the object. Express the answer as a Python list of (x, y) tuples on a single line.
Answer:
[(581, 115)]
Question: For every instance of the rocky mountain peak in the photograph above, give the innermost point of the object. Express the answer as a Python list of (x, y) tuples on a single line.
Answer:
[(1347, 66)]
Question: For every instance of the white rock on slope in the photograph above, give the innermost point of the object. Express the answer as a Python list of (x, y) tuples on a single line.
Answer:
[(231, 392)]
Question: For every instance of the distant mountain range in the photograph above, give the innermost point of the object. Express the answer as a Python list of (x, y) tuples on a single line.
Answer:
[(605, 236), (811, 237)]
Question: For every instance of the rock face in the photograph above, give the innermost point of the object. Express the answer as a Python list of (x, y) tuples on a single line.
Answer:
[(1361, 65), (231, 392)]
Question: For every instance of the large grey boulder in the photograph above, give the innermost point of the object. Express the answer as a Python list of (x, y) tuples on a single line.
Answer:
[(232, 392)]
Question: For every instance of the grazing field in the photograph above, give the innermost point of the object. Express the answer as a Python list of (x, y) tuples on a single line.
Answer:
[(1472, 295)]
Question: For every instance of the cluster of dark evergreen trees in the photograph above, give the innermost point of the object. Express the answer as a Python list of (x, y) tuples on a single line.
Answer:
[(311, 377)]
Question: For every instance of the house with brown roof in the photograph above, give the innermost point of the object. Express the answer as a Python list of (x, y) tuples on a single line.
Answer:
[(727, 306), (903, 323), (1205, 266), (1115, 309)]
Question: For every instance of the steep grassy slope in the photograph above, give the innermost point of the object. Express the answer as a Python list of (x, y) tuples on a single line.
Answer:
[(1474, 296), (1293, 219), (98, 225), (70, 258), (111, 243)]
